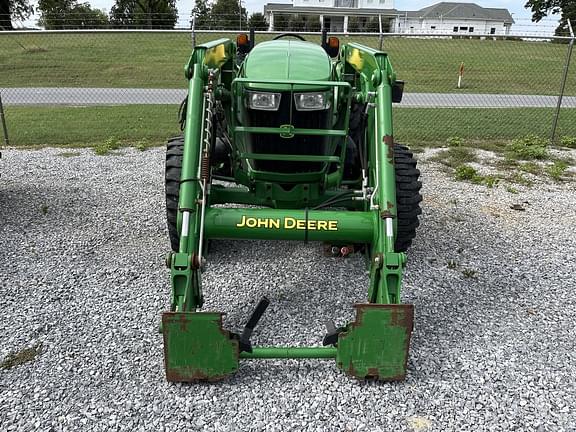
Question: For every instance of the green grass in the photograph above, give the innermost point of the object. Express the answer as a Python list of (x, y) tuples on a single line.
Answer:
[(157, 60), (487, 128), (91, 126), (143, 126), (455, 156)]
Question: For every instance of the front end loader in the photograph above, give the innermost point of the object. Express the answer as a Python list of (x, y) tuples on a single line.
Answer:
[(301, 135)]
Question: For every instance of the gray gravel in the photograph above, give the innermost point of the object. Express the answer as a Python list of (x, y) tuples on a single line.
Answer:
[(82, 241)]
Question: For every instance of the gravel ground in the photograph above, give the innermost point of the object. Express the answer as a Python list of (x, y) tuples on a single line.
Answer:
[(82, 243)]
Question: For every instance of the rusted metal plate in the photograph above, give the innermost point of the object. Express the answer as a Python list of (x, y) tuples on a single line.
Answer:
[(197, 348), (376, 344)]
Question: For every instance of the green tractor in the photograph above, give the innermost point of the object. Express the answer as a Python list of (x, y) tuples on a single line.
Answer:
[(301, 135)]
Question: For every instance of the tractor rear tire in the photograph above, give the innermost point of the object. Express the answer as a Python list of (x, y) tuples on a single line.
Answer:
[(408, 197), (174, 153)]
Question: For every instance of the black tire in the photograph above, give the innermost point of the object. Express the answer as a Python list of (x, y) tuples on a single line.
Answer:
[(174, 152), (408, 197)]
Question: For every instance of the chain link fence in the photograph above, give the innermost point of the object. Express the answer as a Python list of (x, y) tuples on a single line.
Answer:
[(76, 87)]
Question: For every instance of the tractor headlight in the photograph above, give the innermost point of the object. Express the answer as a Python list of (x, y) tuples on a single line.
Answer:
[(263, 101), (312, 101)]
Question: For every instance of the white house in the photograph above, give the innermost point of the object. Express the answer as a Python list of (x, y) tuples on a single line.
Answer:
[(444, 17), (456, 18), (333, 14)]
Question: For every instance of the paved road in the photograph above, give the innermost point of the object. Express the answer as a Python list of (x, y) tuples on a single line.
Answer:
[(122, 96)]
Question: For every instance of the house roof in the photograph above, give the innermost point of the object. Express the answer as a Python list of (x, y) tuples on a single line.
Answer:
[(453, 10), (289, 8)]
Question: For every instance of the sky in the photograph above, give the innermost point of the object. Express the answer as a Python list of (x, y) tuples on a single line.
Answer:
[(516, 7)]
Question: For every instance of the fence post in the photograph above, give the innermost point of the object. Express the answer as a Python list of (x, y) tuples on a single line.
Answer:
[(193, 31), (3, 120), (381, 36), (563, 84)]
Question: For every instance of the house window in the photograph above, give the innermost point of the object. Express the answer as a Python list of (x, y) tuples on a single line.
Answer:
[(463, 28), (493, 30), (455, 29), (433, 27), (382, 1), (471, 29)]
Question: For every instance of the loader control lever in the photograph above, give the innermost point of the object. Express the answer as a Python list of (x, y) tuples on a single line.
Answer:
[(244, 340)]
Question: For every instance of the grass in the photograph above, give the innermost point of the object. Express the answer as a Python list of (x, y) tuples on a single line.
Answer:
[(21, 357), (157, 60), (487, 128), (556, 171), (104, 148), (91, 126), (527, 148), (455, 156), (143, 126)]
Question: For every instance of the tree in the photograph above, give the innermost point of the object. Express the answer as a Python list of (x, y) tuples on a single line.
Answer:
[(83, 16), (203, 15), (17, 9), (54, 14), (257, 22), (160, 14), (543, 8), (228, 15), (67, 14)]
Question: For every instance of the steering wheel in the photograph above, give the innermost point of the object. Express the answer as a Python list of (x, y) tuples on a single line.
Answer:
[(283, 35)]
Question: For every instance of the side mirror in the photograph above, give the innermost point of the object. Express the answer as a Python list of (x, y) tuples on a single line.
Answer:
[(397, 91)]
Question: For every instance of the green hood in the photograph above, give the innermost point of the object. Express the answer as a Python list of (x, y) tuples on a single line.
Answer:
[(288, 60)]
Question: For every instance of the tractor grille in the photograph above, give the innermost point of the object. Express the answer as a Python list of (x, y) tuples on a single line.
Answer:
[(297, 145)]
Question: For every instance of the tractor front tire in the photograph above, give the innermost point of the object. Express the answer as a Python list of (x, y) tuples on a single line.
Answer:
[(408, 197), (174, 153)]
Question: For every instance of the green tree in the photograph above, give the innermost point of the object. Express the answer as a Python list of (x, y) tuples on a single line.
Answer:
[(203, 15), (228, 15), (54, 14), (257, 22), (13, 9), (67, 14), (159, 14), (84, 17), (543, 8)]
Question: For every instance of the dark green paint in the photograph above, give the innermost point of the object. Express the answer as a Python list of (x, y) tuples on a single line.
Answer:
[(196, 347), (376, 344)]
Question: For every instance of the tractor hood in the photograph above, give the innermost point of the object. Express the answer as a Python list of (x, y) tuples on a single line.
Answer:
[(288, 60)]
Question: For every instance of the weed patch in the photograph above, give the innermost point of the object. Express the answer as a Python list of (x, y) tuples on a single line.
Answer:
[(455, 156), (556, 171), (528, 148), (106, 147), (21, 357)]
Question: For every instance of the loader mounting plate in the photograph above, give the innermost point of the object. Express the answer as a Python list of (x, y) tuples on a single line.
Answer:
[(376, 344), (197, 348)]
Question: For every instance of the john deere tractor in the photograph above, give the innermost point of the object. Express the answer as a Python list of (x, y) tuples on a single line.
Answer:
[(301, 135)]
